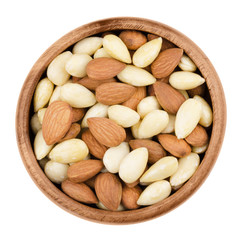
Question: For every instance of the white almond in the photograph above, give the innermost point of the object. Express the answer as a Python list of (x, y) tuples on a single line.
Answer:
[(133, 165), (55, 95), (171, 124), (42, 94), (154, 193), (153, 123), (40, 114), (207, 115), (101, 206), (41, 149), (98, 110), (123, 116), (101, 53), (201, 149), (136, 76), (185, 80), (56, 172), (187, 117), (56, 71), (76, 65), (77, 95), (35, 124), (186, 64), (135, 128), (116, 48), (163, 168), (184, 93), (88, 45), (186, 168), (72, 150), (147, 105), (147, 53), (114, 155)]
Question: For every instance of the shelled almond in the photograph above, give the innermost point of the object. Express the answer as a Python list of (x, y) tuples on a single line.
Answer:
[(121, 120)]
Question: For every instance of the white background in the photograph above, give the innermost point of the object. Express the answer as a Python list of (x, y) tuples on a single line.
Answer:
[(28, 28)]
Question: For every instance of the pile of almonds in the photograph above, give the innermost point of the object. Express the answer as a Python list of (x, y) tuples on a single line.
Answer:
[(120, 120)]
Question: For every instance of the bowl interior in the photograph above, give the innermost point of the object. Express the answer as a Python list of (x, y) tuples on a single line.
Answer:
[(215, 98)]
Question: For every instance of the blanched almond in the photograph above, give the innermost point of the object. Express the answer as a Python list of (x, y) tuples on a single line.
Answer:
[(185, 80), (201, 149), (136, 76), (134, 129), (69, 151), (41, 113), (147, 53), (186, 64), (55, 95), (77, 95), (101, 52), (163, 168), (171, 124), (153, 123), (35, 124), (133, 165), (154, 193), (186, 168), (147, 105), (187, 117), (124, 116)]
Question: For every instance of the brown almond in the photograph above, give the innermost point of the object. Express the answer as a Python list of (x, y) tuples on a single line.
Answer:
[(198, 137), (114, 93), (91, 182), (155, 150), (79, 191), (168, 97), (133, 39), (136, 98), (106, 131), (166, 62), (78, 114), (72, 132), (151, 91), (56, 121), (177, 147), (109, 190), (92, 84), (200, 90), (84, 170), (104, 68), (130, 197), (95, 148)]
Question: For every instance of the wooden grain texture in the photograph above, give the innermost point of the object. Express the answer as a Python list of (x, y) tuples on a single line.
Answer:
[(142, 214)]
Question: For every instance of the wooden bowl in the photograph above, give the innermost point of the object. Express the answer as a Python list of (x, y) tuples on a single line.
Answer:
[(142, 214)]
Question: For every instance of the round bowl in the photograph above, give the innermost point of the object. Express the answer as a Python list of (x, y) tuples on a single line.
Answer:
[(132, 216)]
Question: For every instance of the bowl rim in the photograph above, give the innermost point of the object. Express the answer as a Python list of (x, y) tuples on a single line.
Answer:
[(142, 214)]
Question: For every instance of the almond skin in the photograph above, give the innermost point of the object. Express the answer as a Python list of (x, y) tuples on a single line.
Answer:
[(136, 98), (95, 148), (130, 197), (78, 114), (198, 137), (56, 122), (109, 190), (177, 147), (166, 62), (133, 39), (104, 68), (72, 132), (92, 84), (114, 93), (168, 97), (79, 191), (106, 131), (155, 150), (84, 170)]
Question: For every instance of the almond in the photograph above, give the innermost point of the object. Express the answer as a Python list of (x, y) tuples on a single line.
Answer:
[(95, 148), (91, 182), (165, 44), (56, 122), (79, 191), (92, 84), (177, 147), (166, 62), (84, 170), (109, 190), (133, 39), (135, 99), (78, 114), (155, 150), (200, 90), (106, 131), (168, 97), (72, 132), (104, 68), (130, 197), (114, 93), (198, 137)]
